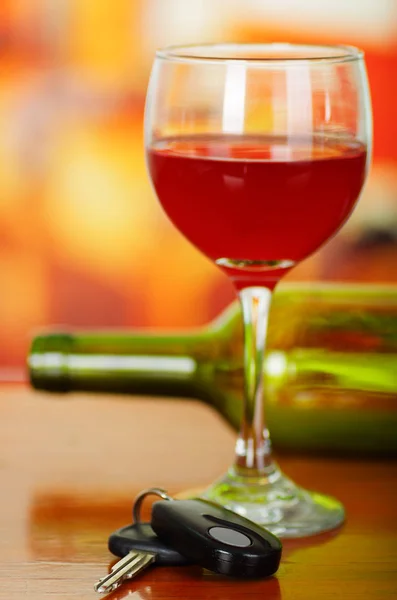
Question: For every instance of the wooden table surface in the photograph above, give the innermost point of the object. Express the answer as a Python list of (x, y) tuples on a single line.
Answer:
[(71, 467)]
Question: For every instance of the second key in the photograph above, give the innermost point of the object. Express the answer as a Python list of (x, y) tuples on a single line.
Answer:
[(139, 547)]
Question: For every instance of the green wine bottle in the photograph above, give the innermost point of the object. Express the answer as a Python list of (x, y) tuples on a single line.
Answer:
[(330, 369)]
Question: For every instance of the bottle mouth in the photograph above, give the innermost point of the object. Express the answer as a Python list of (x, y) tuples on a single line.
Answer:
[(266, 55), (47, 362)]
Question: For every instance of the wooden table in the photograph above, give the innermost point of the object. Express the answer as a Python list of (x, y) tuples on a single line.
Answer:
[(70, 468)]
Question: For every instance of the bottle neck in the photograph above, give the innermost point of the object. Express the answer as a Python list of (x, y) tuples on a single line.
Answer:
[(169, 365)]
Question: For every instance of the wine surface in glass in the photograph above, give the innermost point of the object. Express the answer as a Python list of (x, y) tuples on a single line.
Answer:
[(257, 205)]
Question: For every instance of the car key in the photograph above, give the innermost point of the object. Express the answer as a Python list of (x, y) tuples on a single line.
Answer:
[(138, 546), (141, 538), (217, 538), (201, 532)]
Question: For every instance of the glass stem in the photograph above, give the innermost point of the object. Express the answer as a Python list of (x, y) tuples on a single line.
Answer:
[(253, 448)]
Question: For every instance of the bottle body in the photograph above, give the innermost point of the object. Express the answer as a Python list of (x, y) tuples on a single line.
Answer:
[(330, 369)]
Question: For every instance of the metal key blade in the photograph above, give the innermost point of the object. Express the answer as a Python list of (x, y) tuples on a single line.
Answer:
[(126, 568)]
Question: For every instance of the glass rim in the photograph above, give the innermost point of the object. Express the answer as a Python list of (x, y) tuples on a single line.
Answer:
[(212, 53)]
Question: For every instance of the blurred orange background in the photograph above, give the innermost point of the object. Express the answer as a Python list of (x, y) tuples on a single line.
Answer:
[(83, 240)]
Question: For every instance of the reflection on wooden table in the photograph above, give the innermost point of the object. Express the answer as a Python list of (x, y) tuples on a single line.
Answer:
[(70, 471)]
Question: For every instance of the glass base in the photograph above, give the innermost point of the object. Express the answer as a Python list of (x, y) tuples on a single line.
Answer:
[(277, 503)]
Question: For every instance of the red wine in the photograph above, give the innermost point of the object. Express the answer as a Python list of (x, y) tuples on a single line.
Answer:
[(257, 205)]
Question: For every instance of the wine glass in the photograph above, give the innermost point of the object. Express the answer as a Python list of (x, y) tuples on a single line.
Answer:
[(258, 154)]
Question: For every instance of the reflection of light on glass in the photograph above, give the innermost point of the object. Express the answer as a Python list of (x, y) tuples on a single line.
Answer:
[(161, 364), (51, 360), (327, 107), (281, 152), (276, 364), (299, 101), (234, 99), (306, 398), (233, 183)]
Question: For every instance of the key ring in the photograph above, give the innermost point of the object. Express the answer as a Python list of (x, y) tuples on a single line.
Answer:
[(136, 509)]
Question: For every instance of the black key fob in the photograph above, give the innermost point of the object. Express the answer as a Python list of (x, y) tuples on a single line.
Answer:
[(216, 538), (141, 537)]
